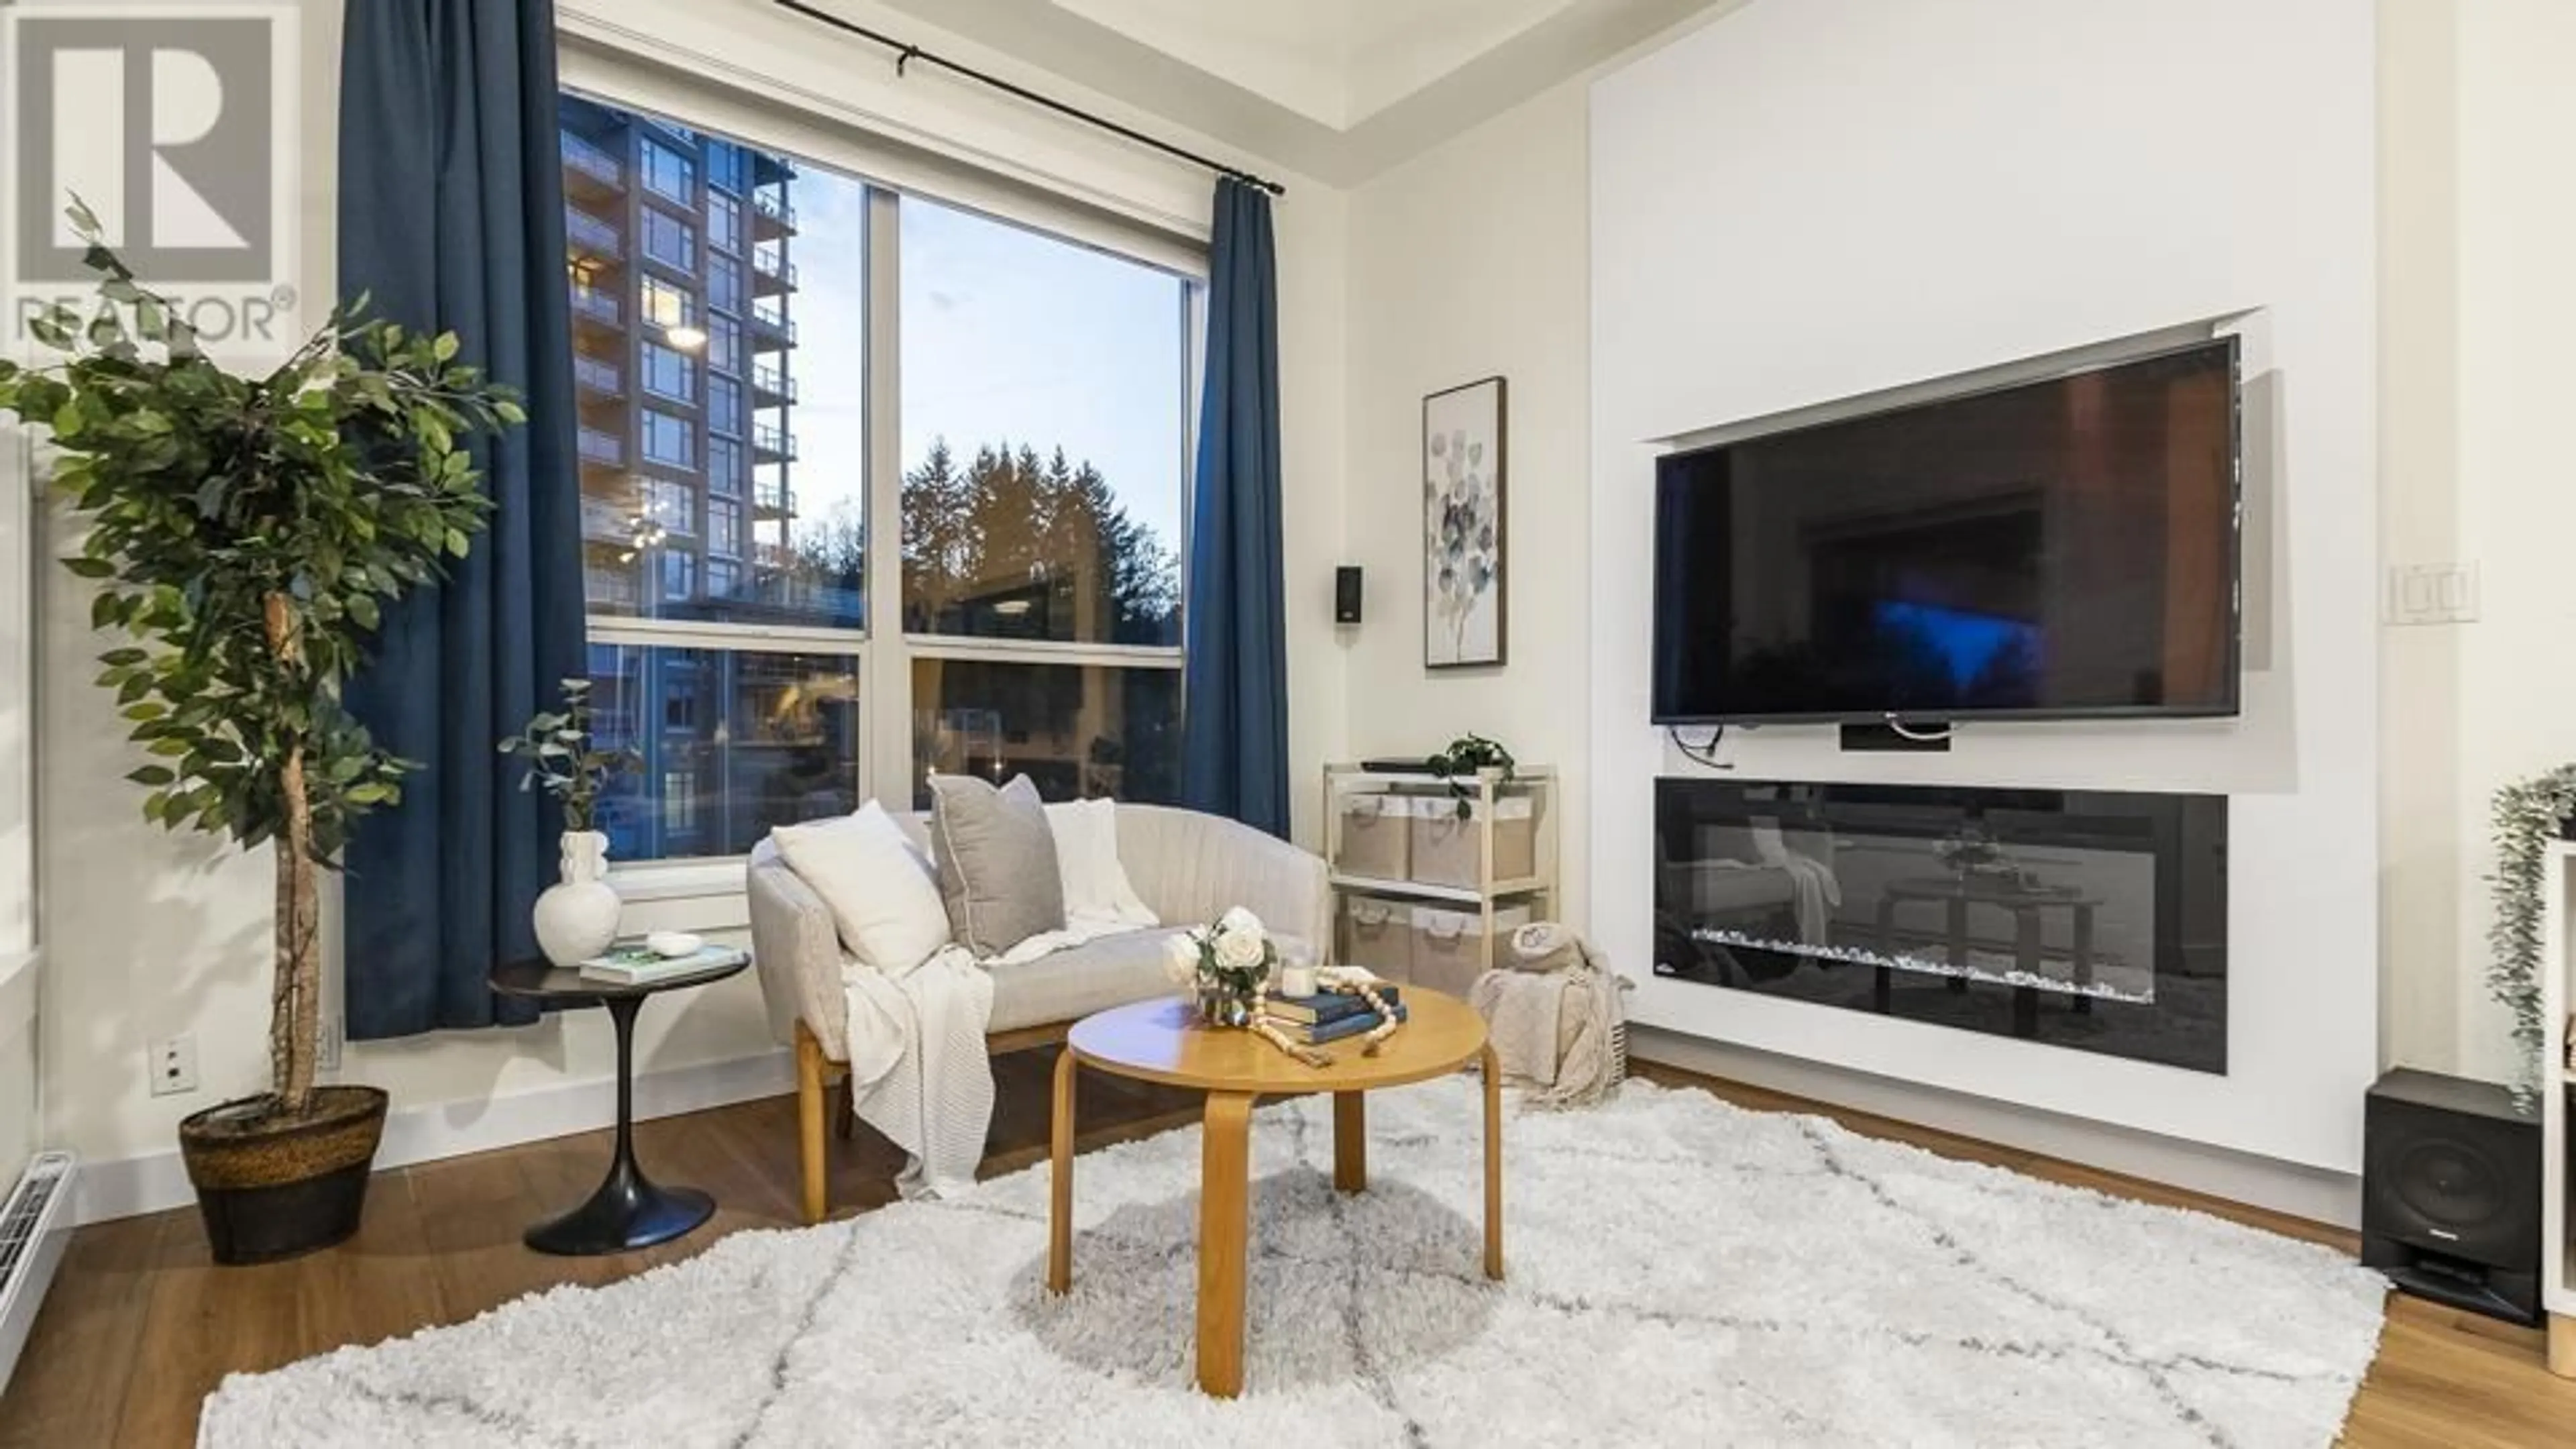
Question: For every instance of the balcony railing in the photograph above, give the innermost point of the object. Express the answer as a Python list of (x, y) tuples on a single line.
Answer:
[(592, 235), (771, 381), (593, 161), (606, 521), (772, 495), (599, 375), (611, 586), (773, 441), (767, 264), (767, 204), (596, 305), (768, 323), (603, 448)]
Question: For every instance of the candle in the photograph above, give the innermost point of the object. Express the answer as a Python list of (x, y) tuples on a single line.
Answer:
[(1296, 980)]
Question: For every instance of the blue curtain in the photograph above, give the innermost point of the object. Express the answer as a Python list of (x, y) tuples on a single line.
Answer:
[(1235, 679), (451, 217)]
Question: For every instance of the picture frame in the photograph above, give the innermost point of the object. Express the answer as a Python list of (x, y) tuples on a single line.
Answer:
[(1465, 578)]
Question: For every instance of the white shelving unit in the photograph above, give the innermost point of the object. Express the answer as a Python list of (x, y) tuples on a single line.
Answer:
[(2557, 990), (1537, 889)]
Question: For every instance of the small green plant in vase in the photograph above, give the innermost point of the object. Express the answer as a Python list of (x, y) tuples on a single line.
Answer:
[(576, 918), (1467, 757)]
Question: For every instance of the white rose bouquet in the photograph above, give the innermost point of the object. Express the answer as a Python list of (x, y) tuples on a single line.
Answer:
[(1224, 966)]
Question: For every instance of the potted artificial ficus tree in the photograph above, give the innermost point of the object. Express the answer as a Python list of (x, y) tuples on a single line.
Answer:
[(245, 533)]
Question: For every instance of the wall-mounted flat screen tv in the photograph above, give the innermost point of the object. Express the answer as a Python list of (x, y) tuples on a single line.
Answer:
[(2051, 549)]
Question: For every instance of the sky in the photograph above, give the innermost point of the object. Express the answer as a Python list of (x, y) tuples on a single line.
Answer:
[(1007, 334)]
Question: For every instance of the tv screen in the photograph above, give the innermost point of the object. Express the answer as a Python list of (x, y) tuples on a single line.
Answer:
[(2050, 549)]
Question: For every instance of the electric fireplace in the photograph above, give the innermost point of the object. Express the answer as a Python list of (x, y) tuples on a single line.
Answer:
[(2089, 919)]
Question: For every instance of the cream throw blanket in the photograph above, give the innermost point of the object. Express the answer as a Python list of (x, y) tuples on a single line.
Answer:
[(918, 1069), (1554, 1016)]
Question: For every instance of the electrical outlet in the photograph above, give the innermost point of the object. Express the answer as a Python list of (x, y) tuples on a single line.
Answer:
[(327, 1057), (174, 1066)]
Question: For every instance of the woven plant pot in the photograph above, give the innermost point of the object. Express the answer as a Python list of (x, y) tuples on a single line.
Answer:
[(279, 1189)]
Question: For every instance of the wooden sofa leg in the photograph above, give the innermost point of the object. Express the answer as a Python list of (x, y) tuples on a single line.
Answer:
[(810, 1125)]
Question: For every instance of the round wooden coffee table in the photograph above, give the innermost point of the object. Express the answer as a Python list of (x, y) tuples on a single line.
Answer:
[(1162, 1041)]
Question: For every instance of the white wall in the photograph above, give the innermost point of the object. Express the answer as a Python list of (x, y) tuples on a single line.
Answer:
[(2471, 128), (1810, 201), (18, 967), (1466, 262), (2514, 509), (150, 935)]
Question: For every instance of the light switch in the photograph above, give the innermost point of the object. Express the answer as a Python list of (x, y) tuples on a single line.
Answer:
[(2445, 593)]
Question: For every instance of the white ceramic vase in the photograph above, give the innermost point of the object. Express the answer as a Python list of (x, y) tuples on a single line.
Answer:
[(577, 919)]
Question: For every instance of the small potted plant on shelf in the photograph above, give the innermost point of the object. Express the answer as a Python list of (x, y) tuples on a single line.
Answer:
[(246, 534), (576, 918), (1469, 756)]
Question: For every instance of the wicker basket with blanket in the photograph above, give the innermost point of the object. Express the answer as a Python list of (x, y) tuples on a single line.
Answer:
[(1555, 1017)]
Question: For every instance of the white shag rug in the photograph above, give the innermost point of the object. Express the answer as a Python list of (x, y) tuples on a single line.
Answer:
[(1679, 1272)]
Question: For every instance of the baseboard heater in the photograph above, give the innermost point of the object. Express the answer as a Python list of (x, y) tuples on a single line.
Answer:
[(35, 1226)]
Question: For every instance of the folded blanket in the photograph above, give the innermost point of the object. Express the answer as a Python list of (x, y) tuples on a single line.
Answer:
[(1554, 1017), (918, 1069)]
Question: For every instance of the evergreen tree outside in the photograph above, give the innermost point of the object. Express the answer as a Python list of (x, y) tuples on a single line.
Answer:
[(1013, 544)]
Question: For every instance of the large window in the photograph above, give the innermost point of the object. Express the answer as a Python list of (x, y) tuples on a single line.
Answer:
[(724, 223), (1024, 483), (668, 305), (669, 373), (669, 440), (669, 240), (724, 284), (667, 173)]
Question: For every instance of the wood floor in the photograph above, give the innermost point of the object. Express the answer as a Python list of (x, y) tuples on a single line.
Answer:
[(139, 1326)]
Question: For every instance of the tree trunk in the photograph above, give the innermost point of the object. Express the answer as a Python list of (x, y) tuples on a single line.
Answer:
[(295, 997)]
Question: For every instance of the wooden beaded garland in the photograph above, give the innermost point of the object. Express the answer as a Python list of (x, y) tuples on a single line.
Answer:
[(1332, 980)]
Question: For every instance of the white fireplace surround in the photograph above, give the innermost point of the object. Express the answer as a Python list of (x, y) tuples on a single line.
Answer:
[(1977, 185)]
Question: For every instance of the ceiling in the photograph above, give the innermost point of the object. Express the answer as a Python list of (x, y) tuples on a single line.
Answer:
[(1335, 89)]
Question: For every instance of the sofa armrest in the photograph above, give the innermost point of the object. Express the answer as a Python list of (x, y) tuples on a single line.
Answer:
[(796, 951), (1191, 867)]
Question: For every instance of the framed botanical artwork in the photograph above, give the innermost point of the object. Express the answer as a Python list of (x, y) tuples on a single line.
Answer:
[(1463, 613)]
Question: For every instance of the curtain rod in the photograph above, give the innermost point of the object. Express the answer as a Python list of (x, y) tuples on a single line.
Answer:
[(906, 53)]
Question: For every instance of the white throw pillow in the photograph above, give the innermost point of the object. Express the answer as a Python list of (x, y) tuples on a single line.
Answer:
[(1086, 860), (879, 886)]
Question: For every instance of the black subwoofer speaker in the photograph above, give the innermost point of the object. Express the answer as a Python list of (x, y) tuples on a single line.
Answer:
[(2450, 1193)]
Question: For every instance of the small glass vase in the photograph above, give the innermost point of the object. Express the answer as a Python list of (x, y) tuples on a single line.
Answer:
[(1223, 1007)]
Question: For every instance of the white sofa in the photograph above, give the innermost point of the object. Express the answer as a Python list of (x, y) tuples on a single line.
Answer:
[(1188, 867)]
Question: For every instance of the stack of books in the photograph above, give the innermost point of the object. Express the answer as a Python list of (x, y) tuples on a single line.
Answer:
[(1332, 1015), (642, 966)]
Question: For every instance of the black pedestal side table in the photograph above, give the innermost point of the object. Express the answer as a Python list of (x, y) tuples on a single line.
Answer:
[(628, 1211)]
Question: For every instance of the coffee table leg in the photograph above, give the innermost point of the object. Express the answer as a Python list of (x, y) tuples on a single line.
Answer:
[(1225, 1171), (1492, 1069), (1350, 1141), (1060, 1181)]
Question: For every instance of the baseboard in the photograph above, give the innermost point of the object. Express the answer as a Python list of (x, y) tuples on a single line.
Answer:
[(2287, 1187), (156, 1181)]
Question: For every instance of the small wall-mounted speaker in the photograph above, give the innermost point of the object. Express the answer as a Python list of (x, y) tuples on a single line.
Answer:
[(1346, 594), (2450, 1193)]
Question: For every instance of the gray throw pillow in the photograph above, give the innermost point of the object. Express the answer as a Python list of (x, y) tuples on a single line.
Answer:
[(997, 870)]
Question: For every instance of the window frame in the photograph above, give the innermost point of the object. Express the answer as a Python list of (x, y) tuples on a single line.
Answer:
[(884, 656)]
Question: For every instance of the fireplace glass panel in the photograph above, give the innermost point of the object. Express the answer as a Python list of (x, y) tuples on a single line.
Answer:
[(2087, 919)]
